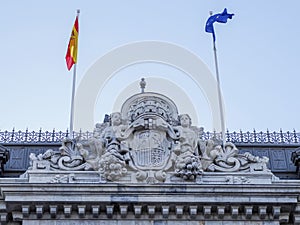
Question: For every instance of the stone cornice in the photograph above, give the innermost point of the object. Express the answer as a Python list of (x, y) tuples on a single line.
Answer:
[(279, 192), (30, 201)]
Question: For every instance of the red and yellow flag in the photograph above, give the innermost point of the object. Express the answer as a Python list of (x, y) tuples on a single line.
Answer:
[(71, 56)]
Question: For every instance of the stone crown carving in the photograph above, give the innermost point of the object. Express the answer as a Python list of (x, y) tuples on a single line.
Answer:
[(150, 105)]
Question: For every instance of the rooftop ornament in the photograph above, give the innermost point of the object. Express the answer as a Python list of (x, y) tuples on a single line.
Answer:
[(148, 141)]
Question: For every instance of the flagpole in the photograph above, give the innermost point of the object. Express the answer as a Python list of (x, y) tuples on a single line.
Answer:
[(72, 102), (73, 93), (220, 18), (219, 95), (222, 120)]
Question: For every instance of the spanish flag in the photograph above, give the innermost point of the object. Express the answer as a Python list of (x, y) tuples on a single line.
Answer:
[(71, 56)]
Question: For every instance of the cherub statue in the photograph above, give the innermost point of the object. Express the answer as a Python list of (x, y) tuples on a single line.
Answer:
[(113, 137), (188, 138), (187, 164)]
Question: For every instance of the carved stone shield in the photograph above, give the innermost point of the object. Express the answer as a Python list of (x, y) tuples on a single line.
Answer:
[(150, 149)]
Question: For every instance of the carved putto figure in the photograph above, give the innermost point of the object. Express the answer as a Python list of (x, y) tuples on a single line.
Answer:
[(147, 141), (187, 136), (113, 136), (188, 163)]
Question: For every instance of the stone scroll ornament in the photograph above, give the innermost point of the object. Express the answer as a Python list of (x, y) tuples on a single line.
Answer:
[(149, 142)]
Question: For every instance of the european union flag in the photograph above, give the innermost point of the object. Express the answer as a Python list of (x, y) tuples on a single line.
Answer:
[(220, 18)]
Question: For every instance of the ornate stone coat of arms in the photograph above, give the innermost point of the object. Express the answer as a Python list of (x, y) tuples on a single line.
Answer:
[(147, 141)]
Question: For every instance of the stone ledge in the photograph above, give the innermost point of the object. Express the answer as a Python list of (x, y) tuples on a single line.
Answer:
[(79, 177)]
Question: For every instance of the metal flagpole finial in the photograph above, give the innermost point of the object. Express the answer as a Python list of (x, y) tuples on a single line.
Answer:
[(210, 13), (142, 85), (78, 11)]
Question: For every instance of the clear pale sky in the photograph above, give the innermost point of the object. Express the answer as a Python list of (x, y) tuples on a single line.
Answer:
[(258, 54)]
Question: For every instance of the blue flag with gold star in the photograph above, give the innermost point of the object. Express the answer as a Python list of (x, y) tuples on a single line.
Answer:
[(220, 18)]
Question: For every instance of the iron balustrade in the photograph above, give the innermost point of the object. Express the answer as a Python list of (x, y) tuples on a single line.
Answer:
[(10, 137)]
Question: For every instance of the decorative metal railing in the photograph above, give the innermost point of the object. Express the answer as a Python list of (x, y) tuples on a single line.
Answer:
[(40, 136)]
